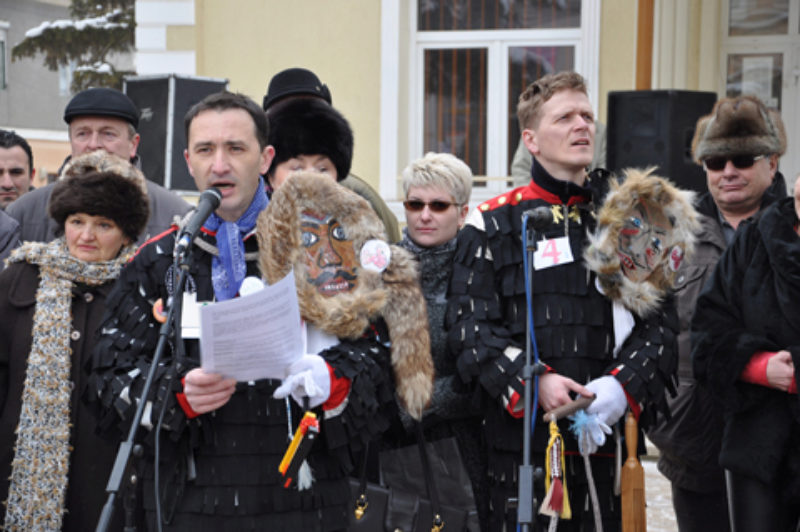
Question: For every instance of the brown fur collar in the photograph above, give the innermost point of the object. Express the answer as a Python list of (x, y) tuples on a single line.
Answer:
[(601, 255), (393, 294)]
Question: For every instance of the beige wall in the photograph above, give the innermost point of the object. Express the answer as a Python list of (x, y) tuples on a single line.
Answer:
[(617, 50), (338, 40)]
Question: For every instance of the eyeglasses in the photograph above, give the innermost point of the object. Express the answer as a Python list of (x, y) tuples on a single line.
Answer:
[(739, 161), (435, 205)]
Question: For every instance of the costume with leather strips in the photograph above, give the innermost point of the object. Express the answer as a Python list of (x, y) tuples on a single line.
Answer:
[(574, 330), (219, 471), (645, 229)]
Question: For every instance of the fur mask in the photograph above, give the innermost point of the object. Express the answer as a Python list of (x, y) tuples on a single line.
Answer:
[(393, 293), (645, 228)]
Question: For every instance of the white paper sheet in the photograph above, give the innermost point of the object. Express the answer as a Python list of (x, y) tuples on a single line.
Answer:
[(255, 336)]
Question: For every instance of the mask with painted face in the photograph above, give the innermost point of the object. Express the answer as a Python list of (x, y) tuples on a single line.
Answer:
[(644, 229)]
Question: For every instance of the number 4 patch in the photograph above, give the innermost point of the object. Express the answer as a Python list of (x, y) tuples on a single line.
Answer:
[(553, 252)]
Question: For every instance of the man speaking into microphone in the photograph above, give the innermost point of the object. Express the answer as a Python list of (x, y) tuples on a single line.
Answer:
[(222, 440), (574, 321)]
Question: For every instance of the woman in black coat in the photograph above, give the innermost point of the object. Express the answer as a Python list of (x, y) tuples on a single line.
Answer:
[(437, 189), (53, 467), (746, 338)]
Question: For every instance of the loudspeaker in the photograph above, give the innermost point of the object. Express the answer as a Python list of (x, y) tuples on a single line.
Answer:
[(647, 128), (163, 101)]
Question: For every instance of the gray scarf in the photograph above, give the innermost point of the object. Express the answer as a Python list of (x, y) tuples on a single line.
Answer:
[(41, 455)]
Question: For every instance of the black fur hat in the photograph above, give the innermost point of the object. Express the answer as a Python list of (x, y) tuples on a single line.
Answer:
[(100, 184), (309, 126), (295, 82)]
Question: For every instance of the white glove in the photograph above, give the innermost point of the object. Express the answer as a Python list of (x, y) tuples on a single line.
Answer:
[(609, 405), (307, 377), (610, 401), (591, 432)]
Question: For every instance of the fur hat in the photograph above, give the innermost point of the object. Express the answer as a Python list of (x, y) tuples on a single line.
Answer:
[(309, 126), (741, 125), (101, 101), (393, 293), (295, 82), (102, 184), (669, 211)]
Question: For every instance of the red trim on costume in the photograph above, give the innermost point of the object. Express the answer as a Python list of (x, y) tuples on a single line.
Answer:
[(635, 408), (532, 191), (181, 397), (512, 405), (171, 229), (340, 388)]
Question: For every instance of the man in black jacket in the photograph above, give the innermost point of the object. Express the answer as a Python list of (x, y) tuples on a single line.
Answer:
[(98, 119), (738, 144), (575, 322)]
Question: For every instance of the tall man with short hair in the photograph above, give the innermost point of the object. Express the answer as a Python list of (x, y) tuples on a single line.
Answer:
[(574, 321), (16, 167), (223, 440), (99, 119), (738, 144)]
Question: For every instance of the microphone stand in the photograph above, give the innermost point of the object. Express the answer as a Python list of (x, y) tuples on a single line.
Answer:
[(526, 500), (129, 447)]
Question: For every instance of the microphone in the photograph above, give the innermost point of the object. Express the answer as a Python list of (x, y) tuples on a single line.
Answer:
[(208, 203), (540, 217)]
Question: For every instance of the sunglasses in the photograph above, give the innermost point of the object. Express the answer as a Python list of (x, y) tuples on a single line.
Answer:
[(435, 205), (739, 161)]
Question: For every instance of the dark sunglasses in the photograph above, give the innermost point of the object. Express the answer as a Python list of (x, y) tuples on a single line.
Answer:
[(435, 206), (739, 161)]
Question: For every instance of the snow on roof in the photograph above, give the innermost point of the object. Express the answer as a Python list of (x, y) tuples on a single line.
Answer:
[(101, 22), (99, 67)]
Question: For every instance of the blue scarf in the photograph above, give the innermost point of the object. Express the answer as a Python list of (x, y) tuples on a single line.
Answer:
[(229, 268)]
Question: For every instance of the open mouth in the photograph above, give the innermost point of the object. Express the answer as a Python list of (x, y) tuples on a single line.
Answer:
[(334, 287), (223, 185)]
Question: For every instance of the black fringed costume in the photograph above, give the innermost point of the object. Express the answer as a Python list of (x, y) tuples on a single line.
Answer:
[(219, 471), (574, 330)]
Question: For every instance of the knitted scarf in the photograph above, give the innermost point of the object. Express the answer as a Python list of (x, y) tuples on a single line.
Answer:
[(229, 268), (41, 456)]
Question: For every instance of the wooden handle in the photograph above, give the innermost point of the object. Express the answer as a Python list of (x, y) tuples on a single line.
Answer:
[(631, 434), (569, 408)]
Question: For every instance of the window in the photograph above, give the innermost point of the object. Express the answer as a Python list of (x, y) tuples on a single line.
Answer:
[(2, 64), (3, 54), (761, 56), (65, 77), (472, 59)]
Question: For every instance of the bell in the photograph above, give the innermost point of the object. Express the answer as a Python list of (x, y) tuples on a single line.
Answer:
[(361, 507)]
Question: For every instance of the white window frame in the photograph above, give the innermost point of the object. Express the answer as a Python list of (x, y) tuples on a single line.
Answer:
[(789, 46), (585, 41)]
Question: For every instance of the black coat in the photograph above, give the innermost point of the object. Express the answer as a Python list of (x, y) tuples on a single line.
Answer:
[(219, 470), (91, 457), (751, 304), (690, 440)]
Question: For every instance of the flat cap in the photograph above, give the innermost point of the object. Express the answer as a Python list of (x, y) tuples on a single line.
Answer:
[(295, 82), (101, 101)]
